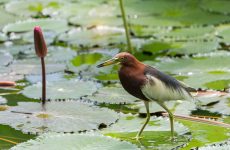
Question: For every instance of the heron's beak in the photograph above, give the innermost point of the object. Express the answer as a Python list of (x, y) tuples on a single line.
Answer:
[(109, 62)]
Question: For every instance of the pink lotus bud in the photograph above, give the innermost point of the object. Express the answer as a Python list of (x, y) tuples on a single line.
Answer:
[(7, 83), (39, 42)]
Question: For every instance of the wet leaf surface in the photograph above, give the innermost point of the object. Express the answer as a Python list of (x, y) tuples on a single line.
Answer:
[(112, 95), (69, 117), (54, 141), (62, 90)]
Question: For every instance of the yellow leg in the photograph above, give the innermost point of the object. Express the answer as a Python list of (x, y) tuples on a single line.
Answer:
[(146, 122), (171, 118)]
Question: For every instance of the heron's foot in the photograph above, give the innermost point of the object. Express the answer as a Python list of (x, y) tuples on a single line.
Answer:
[(137, 138)]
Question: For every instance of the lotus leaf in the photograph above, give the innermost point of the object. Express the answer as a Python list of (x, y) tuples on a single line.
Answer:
[(54, 141), (47, 24), (69, 116), (64, 89), (112, 95)]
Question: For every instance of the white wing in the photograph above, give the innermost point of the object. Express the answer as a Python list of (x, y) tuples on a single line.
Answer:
[(156, 90)]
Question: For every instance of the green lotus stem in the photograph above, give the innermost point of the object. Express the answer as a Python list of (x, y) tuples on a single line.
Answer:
[(125, 26)]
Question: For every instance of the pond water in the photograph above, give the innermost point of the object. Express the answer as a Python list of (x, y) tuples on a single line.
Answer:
[(86, 106)]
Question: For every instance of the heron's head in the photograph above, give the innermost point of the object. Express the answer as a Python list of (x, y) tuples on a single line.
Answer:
[(124, 58)]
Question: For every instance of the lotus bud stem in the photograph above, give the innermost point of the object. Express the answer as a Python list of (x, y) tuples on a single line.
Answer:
[(41, 51)]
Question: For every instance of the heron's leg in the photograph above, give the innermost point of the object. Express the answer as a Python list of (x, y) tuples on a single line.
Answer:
[(146, 122), (170, 118)]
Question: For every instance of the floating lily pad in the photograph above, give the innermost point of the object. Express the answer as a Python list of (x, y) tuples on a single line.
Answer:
[(65, 89), (5, 58), (56, 54), (3, 37), (194, 47), (209, 99), (59, 54), (101, 35), (75, 141), (7, 17), (49, 77), (217, 80), (33, 66), (28, 37), (95, 21), (135, 7), (155, 135), (19, 51), (28, 8), (172, 13), (85, 64), (69, 116), (200, 63), (10, 76), (204, 133), (216, 6), (56, 25), (223, 31), (2, 100), (185, 107), (4, 70), (152, 21), (222, 106), (70, 10), (192, 33), (10, 137), (156, 46), (86, 59), (132, 123), (112, 95), (154, 107), (217, 146)]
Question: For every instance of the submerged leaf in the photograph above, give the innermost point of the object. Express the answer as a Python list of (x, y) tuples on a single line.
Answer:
[(57, 117)]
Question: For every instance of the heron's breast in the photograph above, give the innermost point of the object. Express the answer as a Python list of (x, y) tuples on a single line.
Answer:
[(132, 82)]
